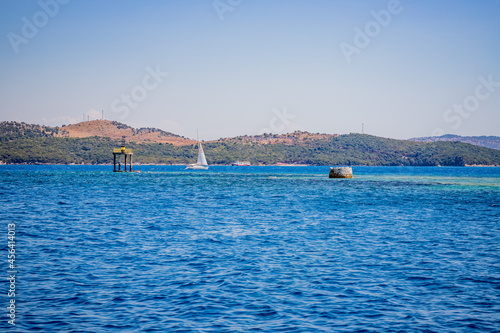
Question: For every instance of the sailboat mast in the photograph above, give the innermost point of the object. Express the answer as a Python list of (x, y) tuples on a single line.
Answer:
[(201, 163)]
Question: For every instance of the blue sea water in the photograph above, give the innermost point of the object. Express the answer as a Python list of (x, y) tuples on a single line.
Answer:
[(252, 249)]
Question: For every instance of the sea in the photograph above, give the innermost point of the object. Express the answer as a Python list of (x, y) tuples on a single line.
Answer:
[(249, 249)]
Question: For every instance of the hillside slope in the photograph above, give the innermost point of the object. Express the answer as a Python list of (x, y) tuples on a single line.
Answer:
[(100, 128), (116, 130), (482, 141), (32, 144)]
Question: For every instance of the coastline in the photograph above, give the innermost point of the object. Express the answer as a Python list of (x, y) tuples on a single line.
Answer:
[(260, 165)]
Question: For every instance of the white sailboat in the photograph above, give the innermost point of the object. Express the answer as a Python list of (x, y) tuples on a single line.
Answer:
[(201, 163)]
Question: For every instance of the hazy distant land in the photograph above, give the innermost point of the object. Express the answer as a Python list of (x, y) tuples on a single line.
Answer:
[(483, 141), (92, 142)]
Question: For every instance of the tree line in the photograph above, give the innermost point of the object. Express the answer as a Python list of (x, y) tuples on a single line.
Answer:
[(350, 149)]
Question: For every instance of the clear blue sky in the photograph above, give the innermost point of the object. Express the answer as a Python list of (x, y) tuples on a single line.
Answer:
[(245, 67)]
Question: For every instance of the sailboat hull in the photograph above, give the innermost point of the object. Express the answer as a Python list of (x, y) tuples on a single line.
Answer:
[(197, 167)]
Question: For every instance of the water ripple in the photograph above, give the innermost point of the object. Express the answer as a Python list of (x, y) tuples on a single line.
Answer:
[(255, 249)]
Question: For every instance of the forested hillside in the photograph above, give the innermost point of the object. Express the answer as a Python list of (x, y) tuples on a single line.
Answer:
[(34, 144), (483, 141)]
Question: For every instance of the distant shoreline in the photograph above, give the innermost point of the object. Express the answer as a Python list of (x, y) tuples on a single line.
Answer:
[(271, 165)]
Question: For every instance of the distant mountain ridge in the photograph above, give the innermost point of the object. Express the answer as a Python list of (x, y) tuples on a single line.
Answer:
[(100, 128), (116, 130), (482, 141), (93, 142)]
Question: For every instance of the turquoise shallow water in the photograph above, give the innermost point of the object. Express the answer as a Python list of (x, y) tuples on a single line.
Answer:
[(253, 249)]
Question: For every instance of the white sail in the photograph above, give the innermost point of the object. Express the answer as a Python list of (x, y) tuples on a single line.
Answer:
[(201, 156), (201, 163)]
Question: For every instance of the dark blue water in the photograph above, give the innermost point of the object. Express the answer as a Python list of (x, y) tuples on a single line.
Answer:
[(252, 249)]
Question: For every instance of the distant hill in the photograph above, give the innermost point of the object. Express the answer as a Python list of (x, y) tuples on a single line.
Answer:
[(11, 130), (92, 143), (99, 128), (483, 141), (116, 130)]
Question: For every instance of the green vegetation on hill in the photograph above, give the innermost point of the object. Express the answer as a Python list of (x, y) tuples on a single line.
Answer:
[(11, 130), (142, 130), (353, 149), (483, 141), (33, 144)]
